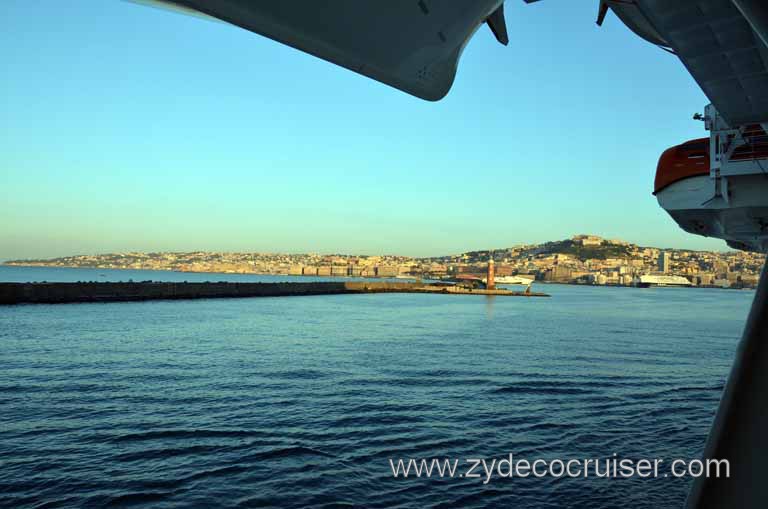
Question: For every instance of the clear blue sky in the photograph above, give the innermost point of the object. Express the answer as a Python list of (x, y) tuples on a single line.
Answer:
[(124, 127)]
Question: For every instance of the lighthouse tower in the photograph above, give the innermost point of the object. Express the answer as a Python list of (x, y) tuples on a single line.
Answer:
[(490, 279)]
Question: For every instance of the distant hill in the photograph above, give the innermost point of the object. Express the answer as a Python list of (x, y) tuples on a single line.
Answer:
[(605, 250)]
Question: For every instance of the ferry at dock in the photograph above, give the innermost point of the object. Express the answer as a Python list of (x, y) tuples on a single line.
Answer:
[(649, 280), (513, 280)]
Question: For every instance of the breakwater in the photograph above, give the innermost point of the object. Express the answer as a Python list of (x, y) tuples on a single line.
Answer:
[(59, 293)]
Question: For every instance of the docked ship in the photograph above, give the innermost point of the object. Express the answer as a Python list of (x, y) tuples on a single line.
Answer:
[(513, 280), (662, 280)]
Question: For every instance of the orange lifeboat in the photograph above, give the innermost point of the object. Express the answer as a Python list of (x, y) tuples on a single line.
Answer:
[(733, 206), (691, 159)]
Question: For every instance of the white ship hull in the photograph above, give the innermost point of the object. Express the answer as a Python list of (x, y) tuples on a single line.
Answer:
[(662, 280), (511, 280)]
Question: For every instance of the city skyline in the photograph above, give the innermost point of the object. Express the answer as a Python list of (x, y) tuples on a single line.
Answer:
[(582, 259), (354, 253), (126, 128)]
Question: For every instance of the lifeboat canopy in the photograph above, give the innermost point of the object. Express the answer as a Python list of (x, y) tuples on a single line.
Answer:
[(690, 159)]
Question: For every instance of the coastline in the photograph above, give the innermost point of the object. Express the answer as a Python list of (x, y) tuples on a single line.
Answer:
[(316, 278)]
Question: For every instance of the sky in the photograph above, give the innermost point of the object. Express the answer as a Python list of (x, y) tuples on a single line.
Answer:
[(128, 128)]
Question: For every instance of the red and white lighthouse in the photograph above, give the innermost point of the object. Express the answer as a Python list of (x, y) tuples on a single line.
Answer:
[(490, 278)]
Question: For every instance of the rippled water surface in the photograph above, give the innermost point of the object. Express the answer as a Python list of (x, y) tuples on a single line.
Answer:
[(301, 401)]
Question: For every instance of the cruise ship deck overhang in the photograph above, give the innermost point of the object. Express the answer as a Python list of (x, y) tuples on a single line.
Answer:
[(415, 45), (722, 43), (412, 45)]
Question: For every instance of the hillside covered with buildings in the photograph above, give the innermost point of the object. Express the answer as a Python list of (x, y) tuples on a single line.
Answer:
[(582, 259)]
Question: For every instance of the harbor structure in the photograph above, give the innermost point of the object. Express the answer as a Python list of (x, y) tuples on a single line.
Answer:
[(59, 293), (490, 282)]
